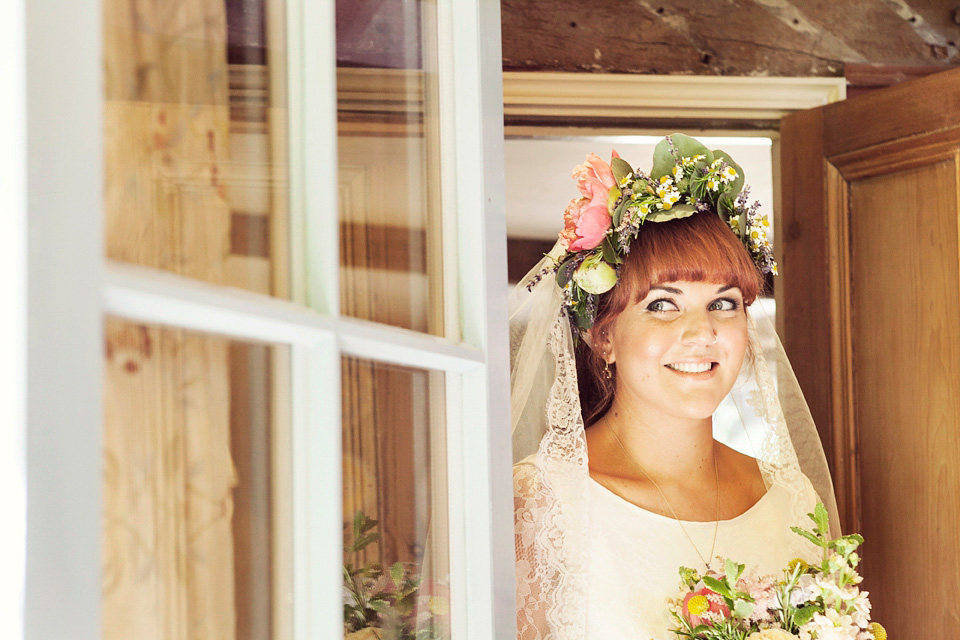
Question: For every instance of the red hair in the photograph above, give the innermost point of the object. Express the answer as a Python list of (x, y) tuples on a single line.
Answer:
[(698, 248)]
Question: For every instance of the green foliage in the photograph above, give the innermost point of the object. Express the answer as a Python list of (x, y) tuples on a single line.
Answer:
[(385, 600), (621, 169), (686, 147), (610, 254), (674, 213)]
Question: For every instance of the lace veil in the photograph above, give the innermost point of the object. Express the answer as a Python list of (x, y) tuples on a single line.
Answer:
[(551, 479)]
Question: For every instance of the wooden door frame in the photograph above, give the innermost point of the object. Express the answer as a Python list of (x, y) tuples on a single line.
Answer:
[(606, 96), (817, 217), (589, 97)]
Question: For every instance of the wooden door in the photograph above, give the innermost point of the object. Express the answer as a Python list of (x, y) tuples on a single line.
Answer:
[(870, 295)]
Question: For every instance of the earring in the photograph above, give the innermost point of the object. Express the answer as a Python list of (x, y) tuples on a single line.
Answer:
[(607, 373)]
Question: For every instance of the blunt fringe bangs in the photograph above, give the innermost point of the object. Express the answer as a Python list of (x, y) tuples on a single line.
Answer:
[(698, 248)]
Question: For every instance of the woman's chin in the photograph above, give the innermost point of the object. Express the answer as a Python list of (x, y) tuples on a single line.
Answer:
[(694, 408)]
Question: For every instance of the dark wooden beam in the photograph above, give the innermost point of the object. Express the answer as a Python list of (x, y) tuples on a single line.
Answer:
[(523, 254), (725, 38)]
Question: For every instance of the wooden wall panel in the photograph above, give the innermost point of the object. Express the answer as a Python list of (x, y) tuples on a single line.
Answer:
[(934, 102), (906, 328), (168, 504), (168, 481), (389, 456)]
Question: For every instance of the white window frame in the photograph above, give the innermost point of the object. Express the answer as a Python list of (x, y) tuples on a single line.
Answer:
[(72, 289)]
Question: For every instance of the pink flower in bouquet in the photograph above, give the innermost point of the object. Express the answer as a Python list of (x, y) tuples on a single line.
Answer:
[(763, 590), (587, 219), (704, 606)]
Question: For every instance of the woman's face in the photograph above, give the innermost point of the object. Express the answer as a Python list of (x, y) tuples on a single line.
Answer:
[(679, 350)]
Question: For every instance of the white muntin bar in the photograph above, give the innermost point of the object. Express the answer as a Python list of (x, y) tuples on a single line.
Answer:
[(64, 163), (473, 45), (13, 322), (148, 295)]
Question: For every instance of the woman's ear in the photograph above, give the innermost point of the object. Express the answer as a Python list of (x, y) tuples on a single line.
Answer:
[(599, 341)]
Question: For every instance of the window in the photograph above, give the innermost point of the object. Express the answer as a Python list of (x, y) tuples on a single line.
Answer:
[(213, 386)]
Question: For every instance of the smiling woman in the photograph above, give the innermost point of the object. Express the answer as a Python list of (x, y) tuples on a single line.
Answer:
[(606, 514), (696, 249)]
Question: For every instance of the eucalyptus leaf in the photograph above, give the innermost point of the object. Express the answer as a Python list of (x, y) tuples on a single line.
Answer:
[(583, 320), (663, 160), (609, 253), (687, 147), (743, 608), (675, 212), (612, 196), (621, 169), (565, 271), (619, 211), (733, 188)]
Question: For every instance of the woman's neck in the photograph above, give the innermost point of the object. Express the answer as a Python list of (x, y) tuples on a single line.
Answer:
[(666, 446)]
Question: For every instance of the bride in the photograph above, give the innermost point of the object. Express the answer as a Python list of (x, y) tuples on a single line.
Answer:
[(627, 338)]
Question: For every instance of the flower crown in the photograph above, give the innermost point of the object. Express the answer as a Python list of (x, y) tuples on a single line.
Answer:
[(616, 201)]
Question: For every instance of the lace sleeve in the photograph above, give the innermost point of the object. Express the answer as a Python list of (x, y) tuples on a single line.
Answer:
[(531, 606)]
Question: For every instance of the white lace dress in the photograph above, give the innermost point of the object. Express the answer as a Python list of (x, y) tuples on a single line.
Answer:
[(634, 556)]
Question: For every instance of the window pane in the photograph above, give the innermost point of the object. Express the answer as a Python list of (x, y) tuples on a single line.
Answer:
[(394, 502), (196, 534), (390, 222), (195, 139)]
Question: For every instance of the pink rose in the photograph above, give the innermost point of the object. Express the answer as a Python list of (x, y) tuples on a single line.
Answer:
[(594, 175), (587, 219), (704, 606)]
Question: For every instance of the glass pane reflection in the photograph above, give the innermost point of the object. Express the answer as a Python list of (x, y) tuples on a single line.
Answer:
[(396, 578), (390, 222), (195, 140), (196, 534)]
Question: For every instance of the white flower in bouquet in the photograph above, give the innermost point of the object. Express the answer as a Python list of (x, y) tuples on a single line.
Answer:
[(805, 591), (831, 625), (859, 609)]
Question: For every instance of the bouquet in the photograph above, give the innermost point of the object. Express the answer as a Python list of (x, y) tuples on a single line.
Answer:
[(807, 602)]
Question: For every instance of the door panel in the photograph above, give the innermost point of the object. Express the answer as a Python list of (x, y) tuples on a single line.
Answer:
[(871, 300), (906, 341)]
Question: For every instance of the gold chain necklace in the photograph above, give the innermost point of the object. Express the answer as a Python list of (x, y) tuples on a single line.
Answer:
[(716, 525)]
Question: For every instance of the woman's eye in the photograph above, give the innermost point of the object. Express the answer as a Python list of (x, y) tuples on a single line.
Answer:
[(724, 304), (662, 305)]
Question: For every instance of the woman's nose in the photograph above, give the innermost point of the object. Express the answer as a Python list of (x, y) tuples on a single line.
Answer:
[(698, 329)]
